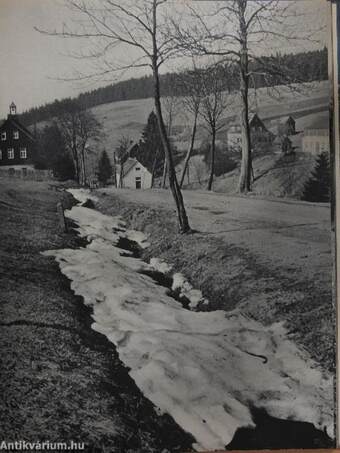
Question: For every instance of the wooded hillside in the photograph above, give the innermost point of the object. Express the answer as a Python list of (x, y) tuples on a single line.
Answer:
[(302, 67)]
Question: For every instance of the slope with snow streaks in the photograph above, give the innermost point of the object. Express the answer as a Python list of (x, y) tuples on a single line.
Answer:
[(203, 368)]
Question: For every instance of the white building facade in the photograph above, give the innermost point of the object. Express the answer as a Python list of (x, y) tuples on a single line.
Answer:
[(135, 175), (315, 141)]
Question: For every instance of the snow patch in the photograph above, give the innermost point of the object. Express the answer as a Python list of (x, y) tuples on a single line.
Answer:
[(160, 265), (82, 195), (187, 290), (203, 368)]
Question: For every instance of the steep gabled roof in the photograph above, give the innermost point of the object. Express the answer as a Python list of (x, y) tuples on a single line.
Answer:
[(128, 165), (14, 120)]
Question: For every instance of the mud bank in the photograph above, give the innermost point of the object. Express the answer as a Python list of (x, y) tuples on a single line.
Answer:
[(60, 380)]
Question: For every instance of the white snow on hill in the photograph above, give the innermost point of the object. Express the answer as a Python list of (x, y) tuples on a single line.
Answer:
[(203, 368)]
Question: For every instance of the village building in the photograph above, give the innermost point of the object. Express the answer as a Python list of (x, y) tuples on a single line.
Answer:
[(259, 133), (16, 144), (285, 126), (283, 145), (234, 137), (315, 138), (134, 175)]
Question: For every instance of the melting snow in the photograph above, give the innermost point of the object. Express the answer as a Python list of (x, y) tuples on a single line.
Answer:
[(204, 369)]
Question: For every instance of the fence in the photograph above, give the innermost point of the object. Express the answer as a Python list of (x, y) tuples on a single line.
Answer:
[(26, 173)]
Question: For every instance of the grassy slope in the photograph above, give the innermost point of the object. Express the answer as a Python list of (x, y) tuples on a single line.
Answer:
[(129, 117), (59, 379)]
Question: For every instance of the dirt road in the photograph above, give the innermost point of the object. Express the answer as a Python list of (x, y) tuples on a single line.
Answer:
[(286, 235)]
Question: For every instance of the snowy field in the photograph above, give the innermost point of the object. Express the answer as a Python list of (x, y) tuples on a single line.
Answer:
[(206, 369)]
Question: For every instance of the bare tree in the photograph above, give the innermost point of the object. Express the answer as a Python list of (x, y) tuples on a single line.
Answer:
[(78, 127), (170, 105), (139, 27), (213, 106), (234, 30), (191, 82)]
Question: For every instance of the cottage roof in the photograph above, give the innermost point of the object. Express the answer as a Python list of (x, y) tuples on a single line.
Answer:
[(128, 165), (254, 118), (322, 122)]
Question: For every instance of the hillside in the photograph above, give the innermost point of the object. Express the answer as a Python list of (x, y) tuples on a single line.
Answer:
[(308, 103), (302, 67), (275, 175), (127, 118)]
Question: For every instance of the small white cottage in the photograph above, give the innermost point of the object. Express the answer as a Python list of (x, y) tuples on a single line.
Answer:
[(134, 175)]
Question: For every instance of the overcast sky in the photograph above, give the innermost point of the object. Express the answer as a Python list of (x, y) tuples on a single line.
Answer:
[(30, 61)]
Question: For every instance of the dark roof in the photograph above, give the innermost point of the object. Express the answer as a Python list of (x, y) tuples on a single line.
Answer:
[(14, 120), (320, 123)]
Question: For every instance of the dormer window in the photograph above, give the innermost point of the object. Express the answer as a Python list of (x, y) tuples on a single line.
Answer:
[(3, 136), (10, 153), (23, 153), (16, 135)]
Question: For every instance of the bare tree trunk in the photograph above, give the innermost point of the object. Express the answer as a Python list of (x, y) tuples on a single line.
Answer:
[(245, 175), (189, 152), (175, 189), (76, 162), (121, 175), (154, 168), (212, 159), (165, 172), (83, 167), (114, 170)]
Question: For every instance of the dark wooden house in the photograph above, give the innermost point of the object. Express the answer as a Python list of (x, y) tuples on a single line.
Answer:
[(260, 135), (17, 144), (286, 126)]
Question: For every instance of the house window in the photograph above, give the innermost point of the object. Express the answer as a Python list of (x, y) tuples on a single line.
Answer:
[(0, 154), (138, 182), (23, 153), (137, 168), (16, 135), (3, 136), (10, 153)]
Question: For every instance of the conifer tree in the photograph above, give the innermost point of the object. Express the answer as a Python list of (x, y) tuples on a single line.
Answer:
[(104, 168), (317, 188), (150, 150)]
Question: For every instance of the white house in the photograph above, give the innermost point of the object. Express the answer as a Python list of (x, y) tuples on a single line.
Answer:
[(234, 136), (135, 175), (316, 136), (315, 141)]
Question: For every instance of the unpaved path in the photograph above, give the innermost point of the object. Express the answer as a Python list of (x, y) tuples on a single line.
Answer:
[(285, 235)]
